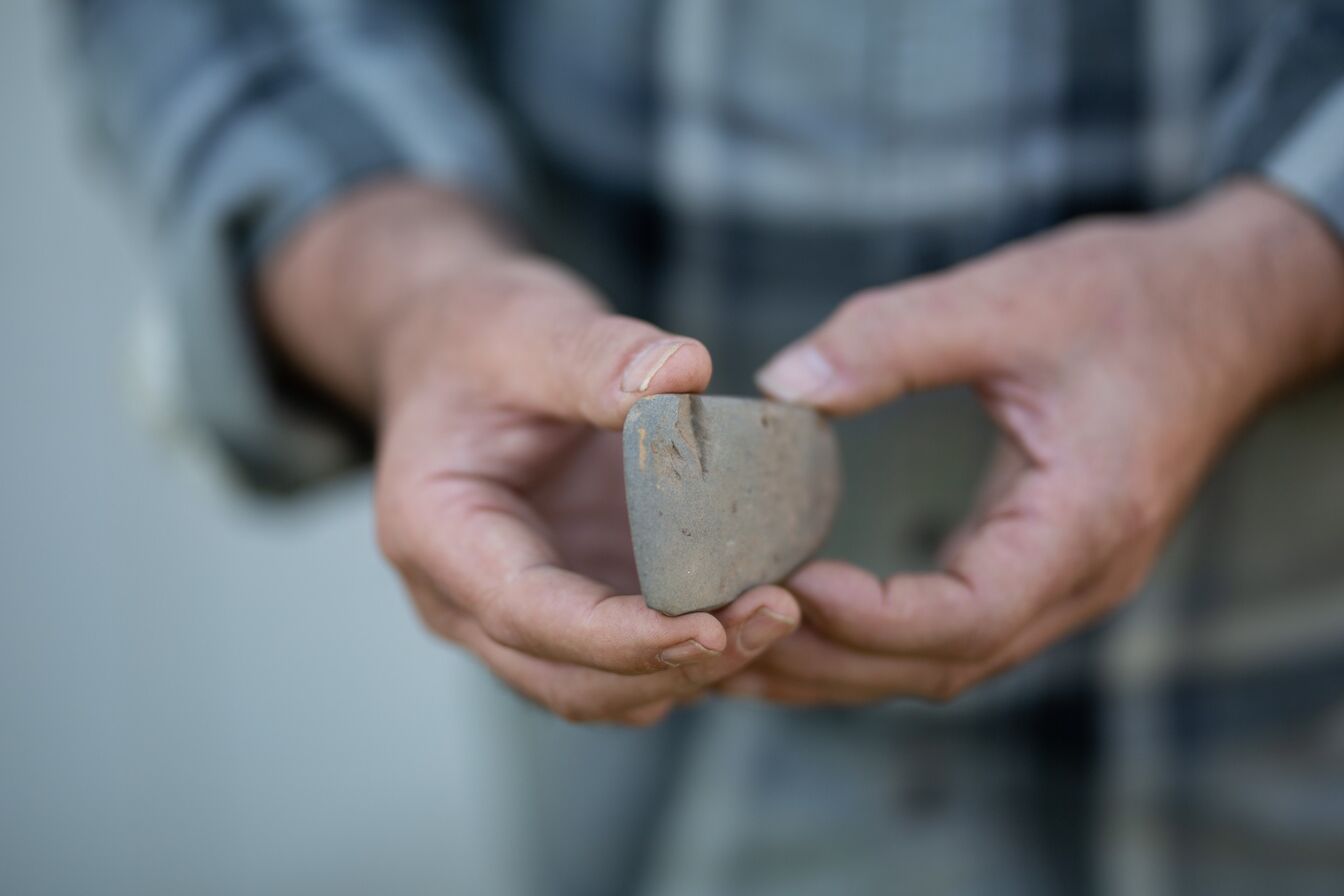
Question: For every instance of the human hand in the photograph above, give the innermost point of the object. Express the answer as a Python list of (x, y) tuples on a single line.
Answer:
[(495, 380), (1116, 356)]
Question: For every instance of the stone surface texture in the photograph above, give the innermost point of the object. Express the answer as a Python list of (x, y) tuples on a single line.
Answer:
[(724, 494)]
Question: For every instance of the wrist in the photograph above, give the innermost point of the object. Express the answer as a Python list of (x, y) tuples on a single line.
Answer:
[(1269, 276), (336, 292)]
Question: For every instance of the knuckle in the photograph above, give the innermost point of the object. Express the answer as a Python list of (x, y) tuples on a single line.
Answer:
[(581, 706), (859, 319), (1141, 511), (993, 620), (517, 288), (437, 623), (402, 526), (699, 675), (947, 686), (499, 624), (390, 534), (570, 713), (645, 717), (865, 300), (434, 615), (1136, 511), (570, 708), (609, 331), (982, 640)]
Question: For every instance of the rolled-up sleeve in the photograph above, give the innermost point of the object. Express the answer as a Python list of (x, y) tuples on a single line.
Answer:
[(1283, 112), (233, 120)]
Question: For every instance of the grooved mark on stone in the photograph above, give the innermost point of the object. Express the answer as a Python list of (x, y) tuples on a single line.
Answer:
[(691, 426)]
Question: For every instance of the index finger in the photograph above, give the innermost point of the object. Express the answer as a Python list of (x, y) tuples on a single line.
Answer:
[(487, 551), (1000, 576)]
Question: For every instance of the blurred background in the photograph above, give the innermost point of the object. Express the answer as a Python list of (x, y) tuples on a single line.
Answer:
[(197, 694)]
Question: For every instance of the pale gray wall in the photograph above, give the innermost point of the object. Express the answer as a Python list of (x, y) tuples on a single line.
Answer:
[(196, 695)]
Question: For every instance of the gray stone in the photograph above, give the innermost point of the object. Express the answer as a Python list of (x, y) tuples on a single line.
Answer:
[(724, 494)]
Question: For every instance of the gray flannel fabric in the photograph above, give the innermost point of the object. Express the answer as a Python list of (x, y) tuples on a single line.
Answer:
[(733, 170), (829, 146)]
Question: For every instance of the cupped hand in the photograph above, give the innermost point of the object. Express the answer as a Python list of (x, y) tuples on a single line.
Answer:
[(500, 500), (1116, 356), (494, 381)]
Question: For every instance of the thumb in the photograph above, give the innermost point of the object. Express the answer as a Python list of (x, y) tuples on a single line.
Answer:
[(886, 342), (592, 366)]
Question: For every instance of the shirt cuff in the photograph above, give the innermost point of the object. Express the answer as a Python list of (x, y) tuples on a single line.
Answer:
[(270, 166), (1281, 115), (1309, 162)]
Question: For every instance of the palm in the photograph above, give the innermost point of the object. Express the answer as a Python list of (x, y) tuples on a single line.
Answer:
[(581, 497), (560, 481)]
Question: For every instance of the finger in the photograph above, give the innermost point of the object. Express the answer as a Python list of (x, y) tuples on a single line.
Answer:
[(850, 675), (499, 566), (575, 693), (884, 343), (756, 621), (586, 365), (807, 668), (585, 694), (807, 658), (919, 615), (1090, 603), (1017, 562)]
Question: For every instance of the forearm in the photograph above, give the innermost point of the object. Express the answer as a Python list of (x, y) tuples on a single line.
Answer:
[(331, 296)]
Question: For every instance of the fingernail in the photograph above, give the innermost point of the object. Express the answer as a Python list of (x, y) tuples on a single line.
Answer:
[(763, 628), (798, 373), (645, 365), (686, 653)]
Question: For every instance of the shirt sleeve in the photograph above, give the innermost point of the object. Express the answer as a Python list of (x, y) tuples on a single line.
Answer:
[(1283, 113), (231, 121)]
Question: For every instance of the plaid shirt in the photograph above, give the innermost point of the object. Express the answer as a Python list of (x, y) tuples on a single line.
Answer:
[(734, 169)]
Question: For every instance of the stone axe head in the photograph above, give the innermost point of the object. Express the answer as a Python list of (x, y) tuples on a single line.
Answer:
[(724, 494)]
